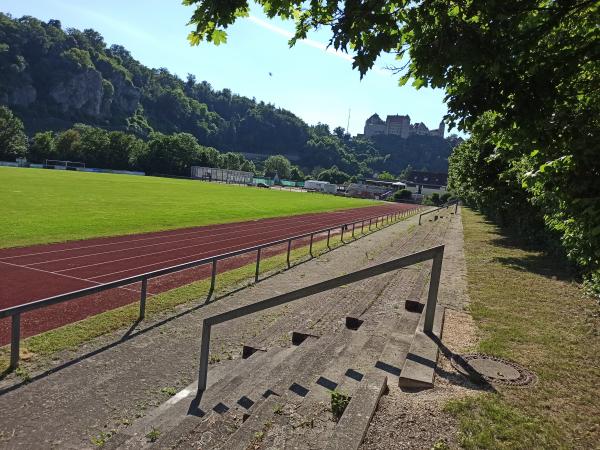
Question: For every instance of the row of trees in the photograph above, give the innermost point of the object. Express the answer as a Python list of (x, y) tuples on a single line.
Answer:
[(169, 154)]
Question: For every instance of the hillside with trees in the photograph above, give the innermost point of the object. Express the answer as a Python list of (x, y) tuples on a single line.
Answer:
[(56, 80)]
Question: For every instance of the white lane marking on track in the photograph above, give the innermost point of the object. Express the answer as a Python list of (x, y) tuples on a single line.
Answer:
[(149, 245), (69, 276), (161, 263), (170, 234), (204, 244), (263, 241)]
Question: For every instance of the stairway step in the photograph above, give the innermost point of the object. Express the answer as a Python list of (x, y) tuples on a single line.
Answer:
[(345, 373), (173, 406), (253, 429), (223, 407), (175, 410), (291, 387), (418, 371), (352, 427)]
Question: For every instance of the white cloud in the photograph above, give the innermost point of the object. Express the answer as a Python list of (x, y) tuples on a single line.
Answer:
[(309, 42), (312, 43)]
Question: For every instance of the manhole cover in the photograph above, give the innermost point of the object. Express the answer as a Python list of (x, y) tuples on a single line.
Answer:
[(493, 370)]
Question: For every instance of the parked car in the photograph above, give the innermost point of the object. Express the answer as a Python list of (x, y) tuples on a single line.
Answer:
[(262, 185)]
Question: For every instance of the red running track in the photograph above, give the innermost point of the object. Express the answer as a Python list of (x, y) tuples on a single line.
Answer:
[(33, 273)]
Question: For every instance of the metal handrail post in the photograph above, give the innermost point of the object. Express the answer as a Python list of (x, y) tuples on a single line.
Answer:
[(370, 223), (434, 283), (311, 246), (143, 292), (455, 207), (213, 279), (15, 341), (353, 225), (362, 227), (204, 351), (328, 236), (289, 249), (257, 264)]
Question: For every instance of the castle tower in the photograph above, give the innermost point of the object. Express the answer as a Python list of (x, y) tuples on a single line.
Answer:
[(374, 125), (398, 125), (441, 128)]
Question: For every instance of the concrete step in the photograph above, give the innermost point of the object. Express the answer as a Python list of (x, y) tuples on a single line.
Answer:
[(182, 406), (350, 431), (367, 353), (240, 401), (228, 413), (292, 385), (418, 370), (304, 421)]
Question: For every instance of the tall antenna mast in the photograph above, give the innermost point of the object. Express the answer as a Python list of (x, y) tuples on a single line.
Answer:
[(348, 124)]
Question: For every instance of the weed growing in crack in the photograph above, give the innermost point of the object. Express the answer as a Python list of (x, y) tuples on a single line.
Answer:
[(153, 435), (339, 402)]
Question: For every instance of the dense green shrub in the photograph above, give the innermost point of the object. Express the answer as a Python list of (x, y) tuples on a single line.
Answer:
[(402, 194)]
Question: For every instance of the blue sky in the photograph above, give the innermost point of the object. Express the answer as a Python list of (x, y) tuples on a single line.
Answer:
[(315, 84)]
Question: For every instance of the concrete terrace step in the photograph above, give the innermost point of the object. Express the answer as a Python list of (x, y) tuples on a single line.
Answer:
[(256, 389), (222, 381), (305, 421), (229, 406), (348, 371), (418, 371), (352, 427), (293, 384)]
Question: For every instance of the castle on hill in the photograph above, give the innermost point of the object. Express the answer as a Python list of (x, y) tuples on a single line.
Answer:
[(400, 126)]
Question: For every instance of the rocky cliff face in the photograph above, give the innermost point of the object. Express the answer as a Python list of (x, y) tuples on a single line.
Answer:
[(22, 96), (90, 94), (81, 93)]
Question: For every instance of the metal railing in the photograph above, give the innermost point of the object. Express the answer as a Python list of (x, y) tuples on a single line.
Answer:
[(444, 206), (15, 311), (434, 253)]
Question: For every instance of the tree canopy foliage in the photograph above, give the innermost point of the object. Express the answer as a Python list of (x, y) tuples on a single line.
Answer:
[(522, 76), (13, 141)]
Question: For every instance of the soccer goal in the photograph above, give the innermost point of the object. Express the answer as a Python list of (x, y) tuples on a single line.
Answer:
[(64, 165)]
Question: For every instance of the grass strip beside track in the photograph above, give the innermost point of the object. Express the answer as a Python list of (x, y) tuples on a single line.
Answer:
[(41, 206), (70, 337), (528, 309)]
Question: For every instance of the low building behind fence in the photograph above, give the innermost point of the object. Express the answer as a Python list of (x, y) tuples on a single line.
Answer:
[(224, 175)]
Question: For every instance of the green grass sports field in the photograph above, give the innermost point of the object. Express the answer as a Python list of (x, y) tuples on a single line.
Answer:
[(41, 206)]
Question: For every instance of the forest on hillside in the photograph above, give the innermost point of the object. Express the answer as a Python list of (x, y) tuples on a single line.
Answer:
[(56, 79)]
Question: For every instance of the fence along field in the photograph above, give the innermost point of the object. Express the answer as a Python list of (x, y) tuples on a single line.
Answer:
[(41, 206)]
